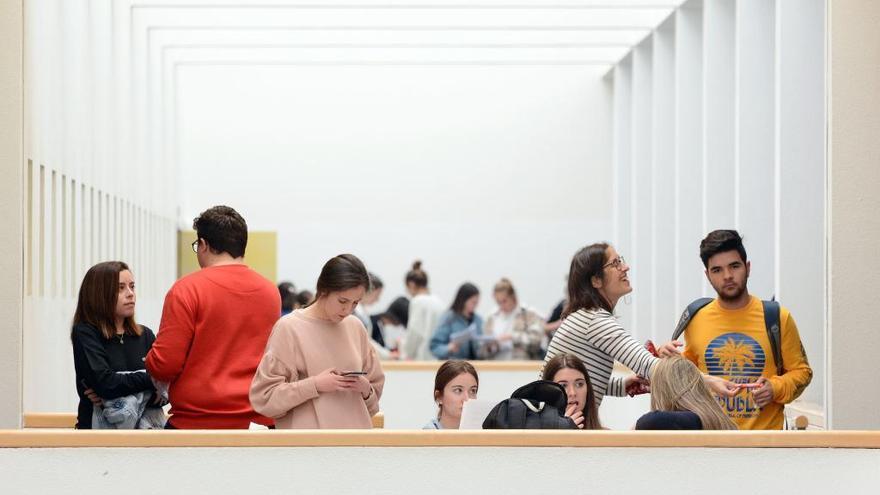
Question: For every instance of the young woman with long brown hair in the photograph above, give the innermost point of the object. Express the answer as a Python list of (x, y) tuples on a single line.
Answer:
[(109, 347), (319, 369), (460, 318)]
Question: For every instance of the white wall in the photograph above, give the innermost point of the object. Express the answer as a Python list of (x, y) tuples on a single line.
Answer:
[(355, 470), (690, 147), (481, 172), (89, 196), (801, 236)]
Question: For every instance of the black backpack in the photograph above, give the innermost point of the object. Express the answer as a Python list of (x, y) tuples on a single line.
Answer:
[(771, 322), (539, 405)]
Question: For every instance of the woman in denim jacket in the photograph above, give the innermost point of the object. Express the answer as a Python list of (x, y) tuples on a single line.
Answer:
[(458, 332)]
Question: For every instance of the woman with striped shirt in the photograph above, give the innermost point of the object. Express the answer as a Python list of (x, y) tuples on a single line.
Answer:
[(597, 280)]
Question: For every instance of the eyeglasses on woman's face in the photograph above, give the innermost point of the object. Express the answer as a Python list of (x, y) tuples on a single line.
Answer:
[(195, 246), (618, 263)]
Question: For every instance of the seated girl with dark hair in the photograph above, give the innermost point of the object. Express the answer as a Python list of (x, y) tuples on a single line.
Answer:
[(680, 400), (456, 382), (569, 371)]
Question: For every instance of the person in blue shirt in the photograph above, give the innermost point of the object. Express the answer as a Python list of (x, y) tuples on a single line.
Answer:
[(454, 337)]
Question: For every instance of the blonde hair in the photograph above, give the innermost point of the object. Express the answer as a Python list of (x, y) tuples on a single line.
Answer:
[(505, 286), (677, 385)]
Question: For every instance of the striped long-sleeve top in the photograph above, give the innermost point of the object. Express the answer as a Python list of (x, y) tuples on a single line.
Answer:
[(598, 340)]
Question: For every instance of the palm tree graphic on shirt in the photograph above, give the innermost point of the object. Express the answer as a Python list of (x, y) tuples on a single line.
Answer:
[(734, 355)]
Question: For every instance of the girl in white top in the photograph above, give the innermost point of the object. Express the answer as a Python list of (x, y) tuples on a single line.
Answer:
[(519, 330), (362, 312), (597, 280), (424, 313)]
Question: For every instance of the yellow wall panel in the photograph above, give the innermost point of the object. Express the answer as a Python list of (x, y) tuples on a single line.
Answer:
[(261, 253)]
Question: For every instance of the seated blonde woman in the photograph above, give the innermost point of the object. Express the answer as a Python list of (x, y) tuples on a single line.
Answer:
[(680, 400)]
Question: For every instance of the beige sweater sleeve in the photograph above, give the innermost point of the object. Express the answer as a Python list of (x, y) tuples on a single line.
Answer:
[(276, 387), (374, 374)]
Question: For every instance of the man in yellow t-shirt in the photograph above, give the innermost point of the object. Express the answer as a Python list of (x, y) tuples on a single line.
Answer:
[(728, 338)]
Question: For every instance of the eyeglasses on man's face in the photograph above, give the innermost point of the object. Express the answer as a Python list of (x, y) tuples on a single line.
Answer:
[(195, 246), (617, 263)]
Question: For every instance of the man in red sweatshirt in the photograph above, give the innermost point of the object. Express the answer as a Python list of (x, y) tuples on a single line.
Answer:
[(214, 328)]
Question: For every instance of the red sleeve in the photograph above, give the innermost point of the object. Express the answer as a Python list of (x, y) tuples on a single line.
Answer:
[(167, 356)]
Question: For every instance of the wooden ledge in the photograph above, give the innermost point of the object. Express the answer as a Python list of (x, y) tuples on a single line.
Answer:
[(481, 366), (420, 438), (49, 420), (68, 420)]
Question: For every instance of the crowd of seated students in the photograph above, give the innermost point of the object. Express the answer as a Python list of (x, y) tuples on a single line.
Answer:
[(224, 359)]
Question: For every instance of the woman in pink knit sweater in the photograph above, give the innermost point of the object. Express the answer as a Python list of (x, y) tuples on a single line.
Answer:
[(319, 369)]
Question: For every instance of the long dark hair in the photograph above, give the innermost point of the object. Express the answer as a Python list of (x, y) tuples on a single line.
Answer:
[(570, 361), (586, 264), (342, 272), (447, 372), (98, 295), (465, 292)]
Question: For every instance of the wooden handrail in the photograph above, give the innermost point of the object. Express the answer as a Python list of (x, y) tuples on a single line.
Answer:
[(428, 438), (68, 420)]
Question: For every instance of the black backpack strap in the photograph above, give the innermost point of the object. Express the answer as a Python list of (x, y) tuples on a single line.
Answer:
[(688, 314), (774, 333)]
